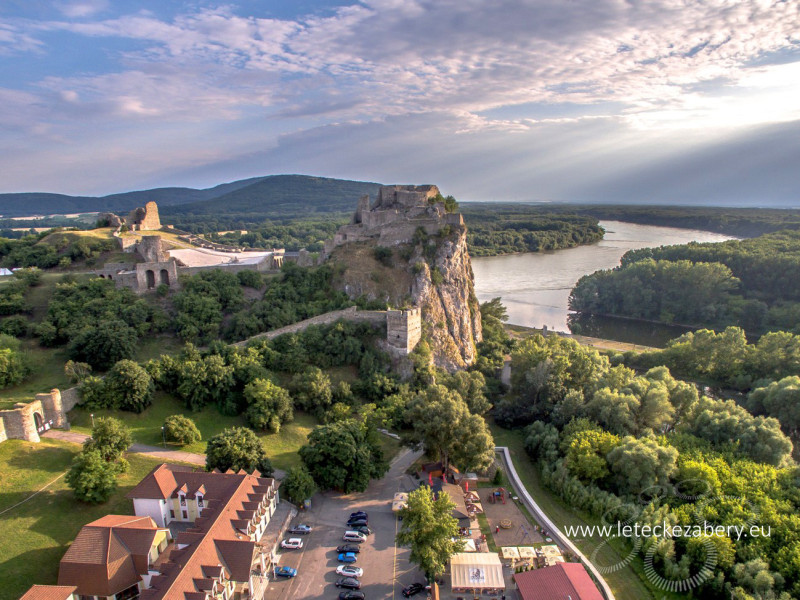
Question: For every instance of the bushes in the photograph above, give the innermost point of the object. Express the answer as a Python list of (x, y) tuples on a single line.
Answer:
[(91, 478), (268, 405), (14, 366), (237, 448), (126, 387), (181, 429)]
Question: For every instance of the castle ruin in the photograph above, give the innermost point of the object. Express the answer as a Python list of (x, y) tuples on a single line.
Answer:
[(399, 211), (26, 421), (144, 219)]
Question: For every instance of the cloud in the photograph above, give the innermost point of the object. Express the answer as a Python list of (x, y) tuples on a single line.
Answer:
[(82, 8)]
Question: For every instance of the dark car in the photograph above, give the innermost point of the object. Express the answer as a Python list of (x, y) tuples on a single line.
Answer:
[(348, 582), (413, 589), (348, 548), (363, 529), (358, 514), (350, 595), (357, 523), (301, 529)]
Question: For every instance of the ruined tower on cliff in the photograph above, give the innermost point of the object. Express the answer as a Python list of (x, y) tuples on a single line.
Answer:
[(431, 270), (144, 219)]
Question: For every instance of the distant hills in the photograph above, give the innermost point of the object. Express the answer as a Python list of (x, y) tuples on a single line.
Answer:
[(281, 195)]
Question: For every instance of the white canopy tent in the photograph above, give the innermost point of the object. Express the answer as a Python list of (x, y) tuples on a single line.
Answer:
[(476, 571)]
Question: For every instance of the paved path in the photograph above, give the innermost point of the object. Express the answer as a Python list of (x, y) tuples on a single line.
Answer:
[(551, 527), (151, 451)]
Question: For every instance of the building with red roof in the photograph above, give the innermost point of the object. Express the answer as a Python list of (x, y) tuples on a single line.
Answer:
[(564, 581)]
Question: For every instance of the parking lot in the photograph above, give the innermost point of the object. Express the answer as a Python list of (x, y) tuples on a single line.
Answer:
[(386, 567)]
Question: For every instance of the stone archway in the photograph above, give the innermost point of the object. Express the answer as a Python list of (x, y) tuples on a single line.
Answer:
[(38, 420), (164, 277), (151, 279)]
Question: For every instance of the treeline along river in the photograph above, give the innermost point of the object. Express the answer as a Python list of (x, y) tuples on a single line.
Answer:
[(535, 287)]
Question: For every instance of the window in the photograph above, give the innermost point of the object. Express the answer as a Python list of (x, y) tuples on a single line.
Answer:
[(183, 499), (199, 501), (171, 514), (185, 514)]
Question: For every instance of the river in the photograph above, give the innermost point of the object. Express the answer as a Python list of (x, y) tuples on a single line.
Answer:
[(535, 287)]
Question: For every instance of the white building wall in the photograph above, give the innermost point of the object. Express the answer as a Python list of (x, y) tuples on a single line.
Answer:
[(155, 509)]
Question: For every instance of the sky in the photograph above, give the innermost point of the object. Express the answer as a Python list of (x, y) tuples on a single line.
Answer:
[(664, 101)]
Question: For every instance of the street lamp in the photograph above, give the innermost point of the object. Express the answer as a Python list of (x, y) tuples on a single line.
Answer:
[(163, 436), (92, 415)]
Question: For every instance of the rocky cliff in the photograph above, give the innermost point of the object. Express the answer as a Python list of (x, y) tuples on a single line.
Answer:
[(429, 267)]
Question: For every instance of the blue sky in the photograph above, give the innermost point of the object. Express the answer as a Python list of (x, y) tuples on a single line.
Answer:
[(671, 101)]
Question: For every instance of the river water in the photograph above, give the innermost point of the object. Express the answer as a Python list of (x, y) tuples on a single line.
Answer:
[(535, 287)]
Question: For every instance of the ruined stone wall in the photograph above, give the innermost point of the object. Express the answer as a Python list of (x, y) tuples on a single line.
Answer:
[(20, 422), (151, 220), (150, 275), (151, 249), (374, 317)]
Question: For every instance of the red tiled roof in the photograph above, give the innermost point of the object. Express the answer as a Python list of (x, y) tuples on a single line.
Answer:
[(49, 592), (108, 555), (559, 582), (215, 544)]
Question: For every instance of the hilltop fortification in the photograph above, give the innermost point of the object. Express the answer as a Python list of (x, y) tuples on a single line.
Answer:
[(406, 249)]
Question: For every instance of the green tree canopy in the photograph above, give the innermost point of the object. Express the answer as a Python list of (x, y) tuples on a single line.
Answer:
[(91, 477), (181, 429), (268, 405), (130, 386), (104, 344), (110, 437), (442, 423), (298, 485), (343, 455), (638, 464), (430, 530), (237, 448)]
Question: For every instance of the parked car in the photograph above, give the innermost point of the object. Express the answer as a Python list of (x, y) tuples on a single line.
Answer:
[(349, 548), (347, 557), (358, 513), (292, 544), (349, 571), (363, 529), (285, 572), (348, 582), (413, 589), (354, 536), (301, 529), (351, 595), (352, 524)]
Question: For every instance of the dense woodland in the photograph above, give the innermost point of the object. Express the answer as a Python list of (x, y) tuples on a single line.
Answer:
[(753, 283), (647, 448)]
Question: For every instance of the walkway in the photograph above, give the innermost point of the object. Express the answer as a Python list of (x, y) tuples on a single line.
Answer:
[(151, 451), (551, 528)]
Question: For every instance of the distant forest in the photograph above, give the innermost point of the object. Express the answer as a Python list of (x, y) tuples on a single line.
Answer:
[(753, 283)]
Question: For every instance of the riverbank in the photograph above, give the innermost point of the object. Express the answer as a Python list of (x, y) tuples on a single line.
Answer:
[(521, 332)]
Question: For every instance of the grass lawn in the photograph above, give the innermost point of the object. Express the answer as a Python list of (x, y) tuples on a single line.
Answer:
[(390, 446), (628, 583), (36, 534), (281, 447)]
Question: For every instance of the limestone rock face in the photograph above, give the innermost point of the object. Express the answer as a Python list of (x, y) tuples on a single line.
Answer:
[(450, 311), (429, 267)]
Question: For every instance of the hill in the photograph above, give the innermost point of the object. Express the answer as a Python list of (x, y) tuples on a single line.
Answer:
[(280, 196), (294, 194)]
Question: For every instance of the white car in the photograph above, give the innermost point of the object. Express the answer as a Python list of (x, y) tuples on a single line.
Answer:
[(349, 571), (292, 544)]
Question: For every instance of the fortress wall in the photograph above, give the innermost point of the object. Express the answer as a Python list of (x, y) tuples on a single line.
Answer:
[(70, 398)]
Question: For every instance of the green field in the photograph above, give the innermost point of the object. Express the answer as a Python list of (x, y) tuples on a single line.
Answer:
[(36, 534), (146, 428), (628, 583)]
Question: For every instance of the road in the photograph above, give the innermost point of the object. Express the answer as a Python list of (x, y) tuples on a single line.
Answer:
[(386, 567)]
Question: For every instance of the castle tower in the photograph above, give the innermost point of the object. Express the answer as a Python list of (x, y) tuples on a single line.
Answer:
[(404, 329)]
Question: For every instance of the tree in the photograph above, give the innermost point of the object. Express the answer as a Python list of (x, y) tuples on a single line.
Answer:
[(586, 454), (443, 424), (181, 429), (641, 463), (312, 391), (471, 386), (109, 437), (344, 456), (77, 371), (268, 405), (13, 367), (780, 399), (430, 530), (298, 485), (104, 344), (237, 448), (130, 386), (91, 477)]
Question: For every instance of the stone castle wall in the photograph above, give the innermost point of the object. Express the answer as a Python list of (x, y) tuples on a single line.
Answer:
[(144, 219), (27, 421), (403, 327)]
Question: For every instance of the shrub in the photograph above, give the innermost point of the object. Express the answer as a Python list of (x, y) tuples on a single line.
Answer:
[(13, 367), (109, 437), (383, 255), (77, 371), (251, 279), (237, 448), (181, 429), (93, 393), (16, 325), (268, 405)]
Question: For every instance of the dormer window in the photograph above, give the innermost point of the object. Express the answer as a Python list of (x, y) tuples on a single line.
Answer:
[(182, 498), (199, 500)]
